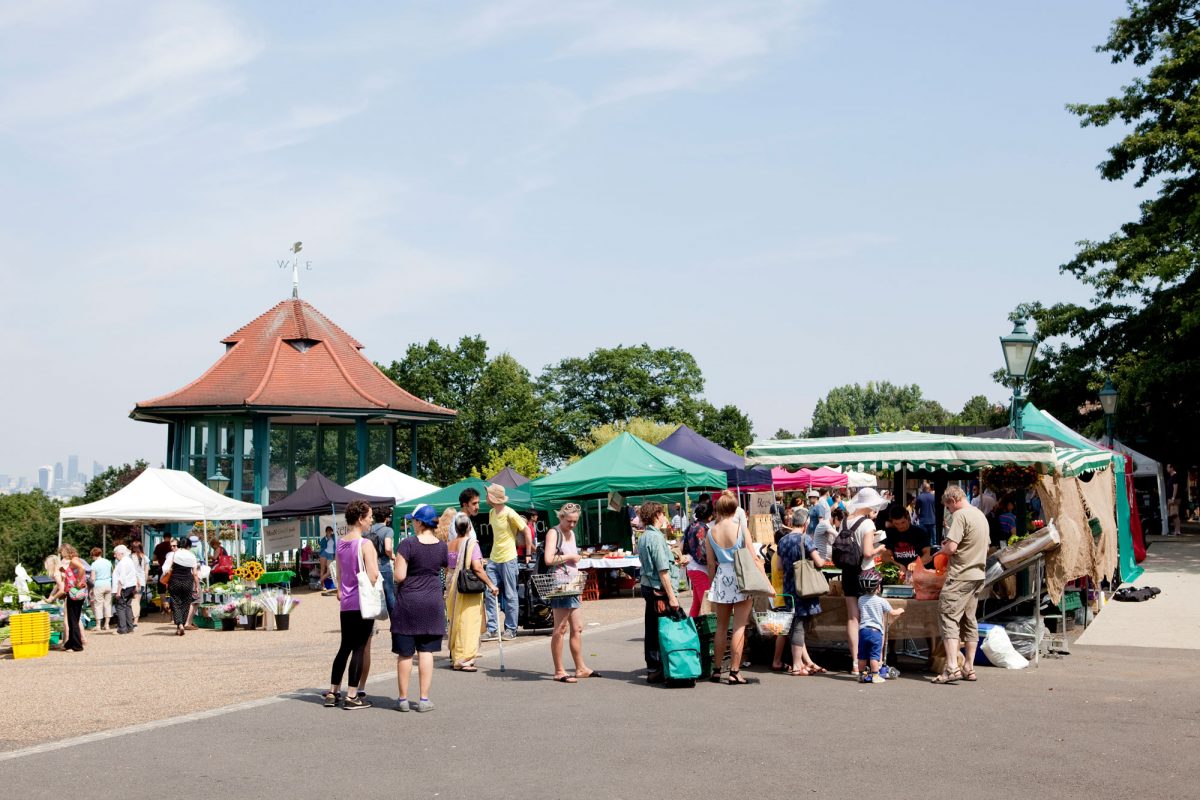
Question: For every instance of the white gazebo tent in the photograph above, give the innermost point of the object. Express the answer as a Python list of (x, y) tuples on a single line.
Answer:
[(383, 481), (159, 496), (1145, 467)]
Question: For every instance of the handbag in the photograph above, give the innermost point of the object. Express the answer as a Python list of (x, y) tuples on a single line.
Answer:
[(810, 581), (751, 580), (467, 581), (370, 595)]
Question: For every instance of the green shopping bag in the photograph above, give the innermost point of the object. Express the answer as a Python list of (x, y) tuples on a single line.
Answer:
[(679, 647)]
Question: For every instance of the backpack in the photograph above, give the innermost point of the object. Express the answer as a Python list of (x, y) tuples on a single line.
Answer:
[(541, 568), (847, 549), (375, 536)]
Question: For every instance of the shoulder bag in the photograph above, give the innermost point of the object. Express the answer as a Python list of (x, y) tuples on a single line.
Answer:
[(810, 581), (370, 595), (467, 581), (751, 580)]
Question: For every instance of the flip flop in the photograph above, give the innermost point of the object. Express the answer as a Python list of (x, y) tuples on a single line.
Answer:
[(466, 668), (566, 679), (592, 674)]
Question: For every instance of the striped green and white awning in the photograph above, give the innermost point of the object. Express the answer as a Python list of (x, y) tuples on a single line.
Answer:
[(882, 451), (1076, 462)]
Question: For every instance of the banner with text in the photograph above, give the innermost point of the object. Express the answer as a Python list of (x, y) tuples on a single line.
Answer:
[(279, 537)]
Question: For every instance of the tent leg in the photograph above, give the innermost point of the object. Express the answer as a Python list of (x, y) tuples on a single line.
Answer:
[(60, 532), (104, 538)]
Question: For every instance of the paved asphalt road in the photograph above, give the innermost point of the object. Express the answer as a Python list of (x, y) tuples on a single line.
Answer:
[(1102, 723)]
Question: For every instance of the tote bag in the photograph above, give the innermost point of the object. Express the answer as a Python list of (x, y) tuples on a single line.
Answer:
[(370, 595), (810, 582), (750, 579)]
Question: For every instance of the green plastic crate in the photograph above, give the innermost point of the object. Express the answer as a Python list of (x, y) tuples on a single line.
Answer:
[(1071, 601), (706, 624)]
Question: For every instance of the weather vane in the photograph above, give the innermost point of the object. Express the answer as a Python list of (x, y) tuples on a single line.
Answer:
[(294, 263)]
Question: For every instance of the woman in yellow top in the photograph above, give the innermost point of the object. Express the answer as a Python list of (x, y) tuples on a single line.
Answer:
[(506, 525), (464, 612)]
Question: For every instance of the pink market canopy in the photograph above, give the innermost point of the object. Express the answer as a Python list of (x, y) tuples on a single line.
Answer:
[(783, 480)]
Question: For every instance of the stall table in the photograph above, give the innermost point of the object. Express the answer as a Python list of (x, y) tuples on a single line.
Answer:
[(919, 621)]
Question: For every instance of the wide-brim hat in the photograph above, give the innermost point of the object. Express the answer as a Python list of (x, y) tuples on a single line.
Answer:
[(425, 514), (813, 493), (496, 496), (867, 498)]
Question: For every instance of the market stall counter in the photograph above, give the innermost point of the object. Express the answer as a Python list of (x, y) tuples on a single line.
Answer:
[(919, 621)]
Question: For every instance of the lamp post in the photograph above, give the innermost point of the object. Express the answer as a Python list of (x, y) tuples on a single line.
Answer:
[(1019, 348), (1108, 402), (218, 482)]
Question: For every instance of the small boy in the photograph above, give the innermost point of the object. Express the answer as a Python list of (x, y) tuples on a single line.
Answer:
[(872, 609)]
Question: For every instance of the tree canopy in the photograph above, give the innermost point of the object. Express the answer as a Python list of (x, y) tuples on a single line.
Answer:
[(883, 406), (1141, 328)]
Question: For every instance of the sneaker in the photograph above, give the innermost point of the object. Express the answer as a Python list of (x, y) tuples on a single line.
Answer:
[(358, 701), (403, 705), (424, 705), (331, 699), (510, 635), (864, 677), (490, 636)]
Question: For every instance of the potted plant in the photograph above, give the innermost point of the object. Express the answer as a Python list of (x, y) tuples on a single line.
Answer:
[(227, 614)]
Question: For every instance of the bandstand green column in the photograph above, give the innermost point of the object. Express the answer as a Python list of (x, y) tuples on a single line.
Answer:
[(362, 441), (262, 460), (389, 457)]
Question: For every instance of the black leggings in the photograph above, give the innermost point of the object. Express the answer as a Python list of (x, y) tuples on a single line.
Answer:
[(74, 637), (356, 635)]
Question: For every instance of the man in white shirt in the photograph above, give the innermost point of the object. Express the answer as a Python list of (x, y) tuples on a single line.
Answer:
[(985, 502), (678, 520), (125, 585)]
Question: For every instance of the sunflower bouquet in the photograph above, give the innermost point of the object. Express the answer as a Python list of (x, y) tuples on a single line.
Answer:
[(250, 571)]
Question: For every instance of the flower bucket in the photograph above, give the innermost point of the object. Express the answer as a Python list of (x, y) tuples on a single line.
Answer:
[(282, 621), (250, 623), (228, 624)]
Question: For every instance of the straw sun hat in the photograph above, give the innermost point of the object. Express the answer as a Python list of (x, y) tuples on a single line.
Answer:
[(496, 496), (867, 498)]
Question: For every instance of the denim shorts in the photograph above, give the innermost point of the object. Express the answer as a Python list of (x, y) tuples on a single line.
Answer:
[(870, 644), (571, 601)]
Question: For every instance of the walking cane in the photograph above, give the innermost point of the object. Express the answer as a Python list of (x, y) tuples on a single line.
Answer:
[(500, 638)]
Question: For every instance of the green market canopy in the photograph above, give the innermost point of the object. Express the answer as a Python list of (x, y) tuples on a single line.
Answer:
[(442, 499), (890, 451), (627, 465)]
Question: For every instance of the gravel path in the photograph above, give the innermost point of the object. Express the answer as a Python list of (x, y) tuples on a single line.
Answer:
[(153, 674)]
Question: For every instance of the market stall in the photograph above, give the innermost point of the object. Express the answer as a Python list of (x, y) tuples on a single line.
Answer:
[(384, 481), (688, 444)]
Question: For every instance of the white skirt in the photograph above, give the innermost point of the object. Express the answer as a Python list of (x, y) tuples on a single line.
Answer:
[(724, 586)]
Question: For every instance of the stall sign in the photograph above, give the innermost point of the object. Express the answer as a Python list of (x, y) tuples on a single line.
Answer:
[(279, 537), (760, 502)]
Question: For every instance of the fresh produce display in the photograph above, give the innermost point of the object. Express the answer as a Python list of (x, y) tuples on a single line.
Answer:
[(893, 574)]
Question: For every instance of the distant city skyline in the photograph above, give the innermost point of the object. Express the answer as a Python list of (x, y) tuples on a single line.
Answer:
[(53, 479)]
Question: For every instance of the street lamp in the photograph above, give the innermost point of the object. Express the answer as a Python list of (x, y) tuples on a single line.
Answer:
[(1019, 348), (218, 482), (1108, 402)]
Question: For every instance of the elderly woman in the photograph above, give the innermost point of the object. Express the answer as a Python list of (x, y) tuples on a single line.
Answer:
[(794, 548), (561, 554), (659, 573), (464, 611), (183, 582)]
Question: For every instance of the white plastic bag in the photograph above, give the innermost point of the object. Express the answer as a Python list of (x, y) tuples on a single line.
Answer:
[(999, 650)]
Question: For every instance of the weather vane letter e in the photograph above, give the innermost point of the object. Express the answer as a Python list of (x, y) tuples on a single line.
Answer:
[(294, 263)]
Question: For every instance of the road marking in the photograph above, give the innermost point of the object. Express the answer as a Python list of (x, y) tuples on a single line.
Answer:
[(100, 736)]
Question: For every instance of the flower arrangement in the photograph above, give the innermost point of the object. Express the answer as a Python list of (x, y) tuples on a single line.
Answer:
[(248, 606), (1010, 478), (249, 571)]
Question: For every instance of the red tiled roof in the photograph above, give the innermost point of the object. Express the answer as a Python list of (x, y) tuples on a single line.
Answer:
[(261, 368)]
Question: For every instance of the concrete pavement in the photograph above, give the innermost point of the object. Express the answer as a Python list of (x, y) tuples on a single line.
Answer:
[(1101, 722), (1172, 619)]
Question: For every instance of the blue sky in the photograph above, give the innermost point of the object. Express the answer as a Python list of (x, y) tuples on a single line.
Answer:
[(869, 188)]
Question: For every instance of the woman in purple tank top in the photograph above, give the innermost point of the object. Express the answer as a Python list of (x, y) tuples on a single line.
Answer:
[(356, 631)]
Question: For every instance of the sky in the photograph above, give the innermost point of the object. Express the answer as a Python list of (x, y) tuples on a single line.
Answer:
[(801, 194)]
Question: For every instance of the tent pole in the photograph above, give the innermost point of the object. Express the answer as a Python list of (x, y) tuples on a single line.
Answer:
[(104, 539), (60, 532)]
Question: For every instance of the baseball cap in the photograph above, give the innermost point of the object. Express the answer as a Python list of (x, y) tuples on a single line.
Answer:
[(425, 514)]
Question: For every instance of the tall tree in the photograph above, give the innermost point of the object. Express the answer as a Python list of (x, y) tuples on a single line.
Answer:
[(1143, 326), (980, 411), (879, 406), (611, 385), (28, 531), (521, 458), (728, 426), (646, 429)]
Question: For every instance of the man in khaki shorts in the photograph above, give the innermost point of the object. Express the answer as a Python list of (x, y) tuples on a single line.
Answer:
[(966, 543)]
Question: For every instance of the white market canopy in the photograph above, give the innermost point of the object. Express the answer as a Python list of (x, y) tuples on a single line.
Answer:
[(891, 451), (161, 495), (383, 481)]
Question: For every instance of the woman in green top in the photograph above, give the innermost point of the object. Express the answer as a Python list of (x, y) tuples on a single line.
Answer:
[(659, 574)]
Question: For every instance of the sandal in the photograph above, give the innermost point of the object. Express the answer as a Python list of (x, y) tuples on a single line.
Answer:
[(466, 668), (948, 676), (565, 679), (969, 675), (779, 668), (591, 674), (801, 671), (813, 669), (735, 678), (715, 677)]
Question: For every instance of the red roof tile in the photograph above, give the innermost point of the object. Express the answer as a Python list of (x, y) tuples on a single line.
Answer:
[(261, 368)]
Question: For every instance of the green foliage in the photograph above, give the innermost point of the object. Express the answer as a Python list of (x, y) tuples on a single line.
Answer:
[(1143, 325), (612, 385), (784, 433), (521, 458), (28, 531), (645, 429), (980, 411), (728, 426), (876, 407)]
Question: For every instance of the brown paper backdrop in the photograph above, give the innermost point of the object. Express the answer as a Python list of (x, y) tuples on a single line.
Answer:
[(1079, 556)]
